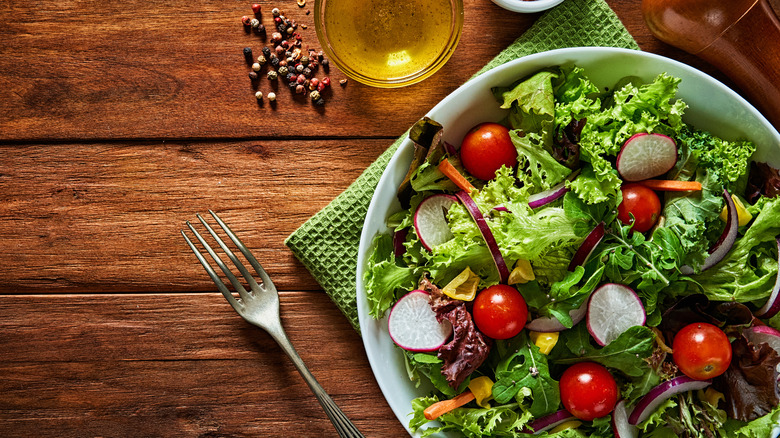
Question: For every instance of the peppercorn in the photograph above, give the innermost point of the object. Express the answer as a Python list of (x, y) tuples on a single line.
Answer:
[(298, 43), (321, 55), (300, 79), (283, 70), (290, 30), (301, 3), (275, 12), (267, 51), (246, 20), (325, 64), (326, 81), (303, 26), (253, 75), (291, 77), (299, 68), (259, 95), (254, 22), (293, 85), (282, 63), (277, 20), (256, 66), (272, 96), (279, 50), (315, 95), (248, 55), (261, 60), (272, 75), (299, 89), (285, 44), (313, 65), (276, 37), (319, 102), (260, 30), (275, 62), (305, 61), (256, 8), (314, 83), (307, 72), (281, 27), (320, 87), (298, 36), (273, 56), (343, 82)]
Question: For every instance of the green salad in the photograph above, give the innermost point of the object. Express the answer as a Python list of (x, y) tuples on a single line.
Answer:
[(590, 266)]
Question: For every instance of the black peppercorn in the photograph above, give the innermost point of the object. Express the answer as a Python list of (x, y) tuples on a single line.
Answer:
[(253, 75), (275, 62), (293, 85), (281, 27), (260, 30), (325, 64), (248, 55), (267, 51), (319, 102), (291, 77), (307, 72)]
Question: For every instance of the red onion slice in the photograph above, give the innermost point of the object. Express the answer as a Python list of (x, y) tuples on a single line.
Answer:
[(772, 305), (726, 240), (588, 246), (490, 240), (650, 402), (548, 422), (543, 198), (545, 324), (399, 237)]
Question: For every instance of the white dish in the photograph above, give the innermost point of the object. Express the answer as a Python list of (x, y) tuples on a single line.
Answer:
[(527, 6), (712, 107)]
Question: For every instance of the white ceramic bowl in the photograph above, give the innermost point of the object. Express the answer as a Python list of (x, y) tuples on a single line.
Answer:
[(527, 6), (712, 107)]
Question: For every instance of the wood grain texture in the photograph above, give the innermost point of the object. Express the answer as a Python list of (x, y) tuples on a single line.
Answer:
[(177, 365), (103, 217)]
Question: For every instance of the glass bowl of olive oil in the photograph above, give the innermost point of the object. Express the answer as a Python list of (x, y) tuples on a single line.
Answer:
[(388, 43)]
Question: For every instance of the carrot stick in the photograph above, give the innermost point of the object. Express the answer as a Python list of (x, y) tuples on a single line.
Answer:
[(671, 185), (440, 408), (452, 173)]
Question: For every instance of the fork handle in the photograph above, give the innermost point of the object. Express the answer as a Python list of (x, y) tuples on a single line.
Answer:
[(343, 425)]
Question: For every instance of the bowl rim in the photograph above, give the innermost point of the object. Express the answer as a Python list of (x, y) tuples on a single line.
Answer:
[(456, 30), (368, 232), (527, 6)]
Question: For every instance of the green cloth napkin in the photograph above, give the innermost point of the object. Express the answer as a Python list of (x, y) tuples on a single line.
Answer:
[(327, 243)]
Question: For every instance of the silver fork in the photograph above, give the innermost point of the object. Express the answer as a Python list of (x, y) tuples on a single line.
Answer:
[(260, 306)]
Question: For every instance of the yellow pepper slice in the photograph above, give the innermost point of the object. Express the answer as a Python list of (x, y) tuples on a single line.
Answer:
[(522, 273), (571, 424), (482, 388), (742, 213), (463, 287), (545, 341), (711, 396)]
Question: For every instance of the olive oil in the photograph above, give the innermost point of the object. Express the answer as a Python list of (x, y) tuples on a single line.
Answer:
[(390, 39)]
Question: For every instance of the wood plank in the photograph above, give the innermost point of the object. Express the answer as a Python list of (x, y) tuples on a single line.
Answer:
[(177, 365), (106, 217), (148, 70)]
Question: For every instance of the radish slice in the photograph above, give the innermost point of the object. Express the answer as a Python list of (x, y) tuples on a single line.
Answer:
[(490, 240), (548, 422), (650, 402), (612, 309), (543, 198), (430, 220), (772, 305), (413, 326), (588, 246), (620, 424), (646, 156), (763, 334), (726, 240), (545, 324)]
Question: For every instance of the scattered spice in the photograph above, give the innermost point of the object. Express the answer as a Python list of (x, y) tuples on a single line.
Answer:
[(253, 75), (272, 75), (261, 60), (256, 66), (246, 20), (248, 55), (343, 82), (254, 23), (256, 8), (301, 3), (275, 12), (259, 95), (314, 95), (272, 96)]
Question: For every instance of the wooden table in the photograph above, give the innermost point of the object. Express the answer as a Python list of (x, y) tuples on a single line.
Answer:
[(118, 122)]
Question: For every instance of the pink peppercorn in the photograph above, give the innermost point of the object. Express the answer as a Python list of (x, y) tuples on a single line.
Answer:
[(256, 8), (246, 20), (326, 81), (300, 79)]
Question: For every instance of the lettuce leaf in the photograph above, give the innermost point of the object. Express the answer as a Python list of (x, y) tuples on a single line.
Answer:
[(502, 420), (384, 277)]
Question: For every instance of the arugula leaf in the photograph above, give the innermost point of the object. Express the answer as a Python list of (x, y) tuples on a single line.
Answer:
[(526, 368), (564, 296), (627, 353)]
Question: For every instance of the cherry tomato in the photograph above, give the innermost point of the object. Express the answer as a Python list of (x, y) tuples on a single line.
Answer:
[(485, 148), (500, 311), (701, 351), (641, 202), (588, 390)]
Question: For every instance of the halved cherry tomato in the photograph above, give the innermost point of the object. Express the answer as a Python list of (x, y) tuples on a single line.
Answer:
[(701, 351), (588, 390), (500, 312), (485, 148), (640, 202)]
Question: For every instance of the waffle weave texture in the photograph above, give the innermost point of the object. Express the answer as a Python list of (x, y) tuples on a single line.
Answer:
[(327, 244)]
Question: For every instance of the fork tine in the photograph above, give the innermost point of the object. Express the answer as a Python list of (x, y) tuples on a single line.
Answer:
[(267, 283), (244, 272), (233, 280), (218, 281)]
